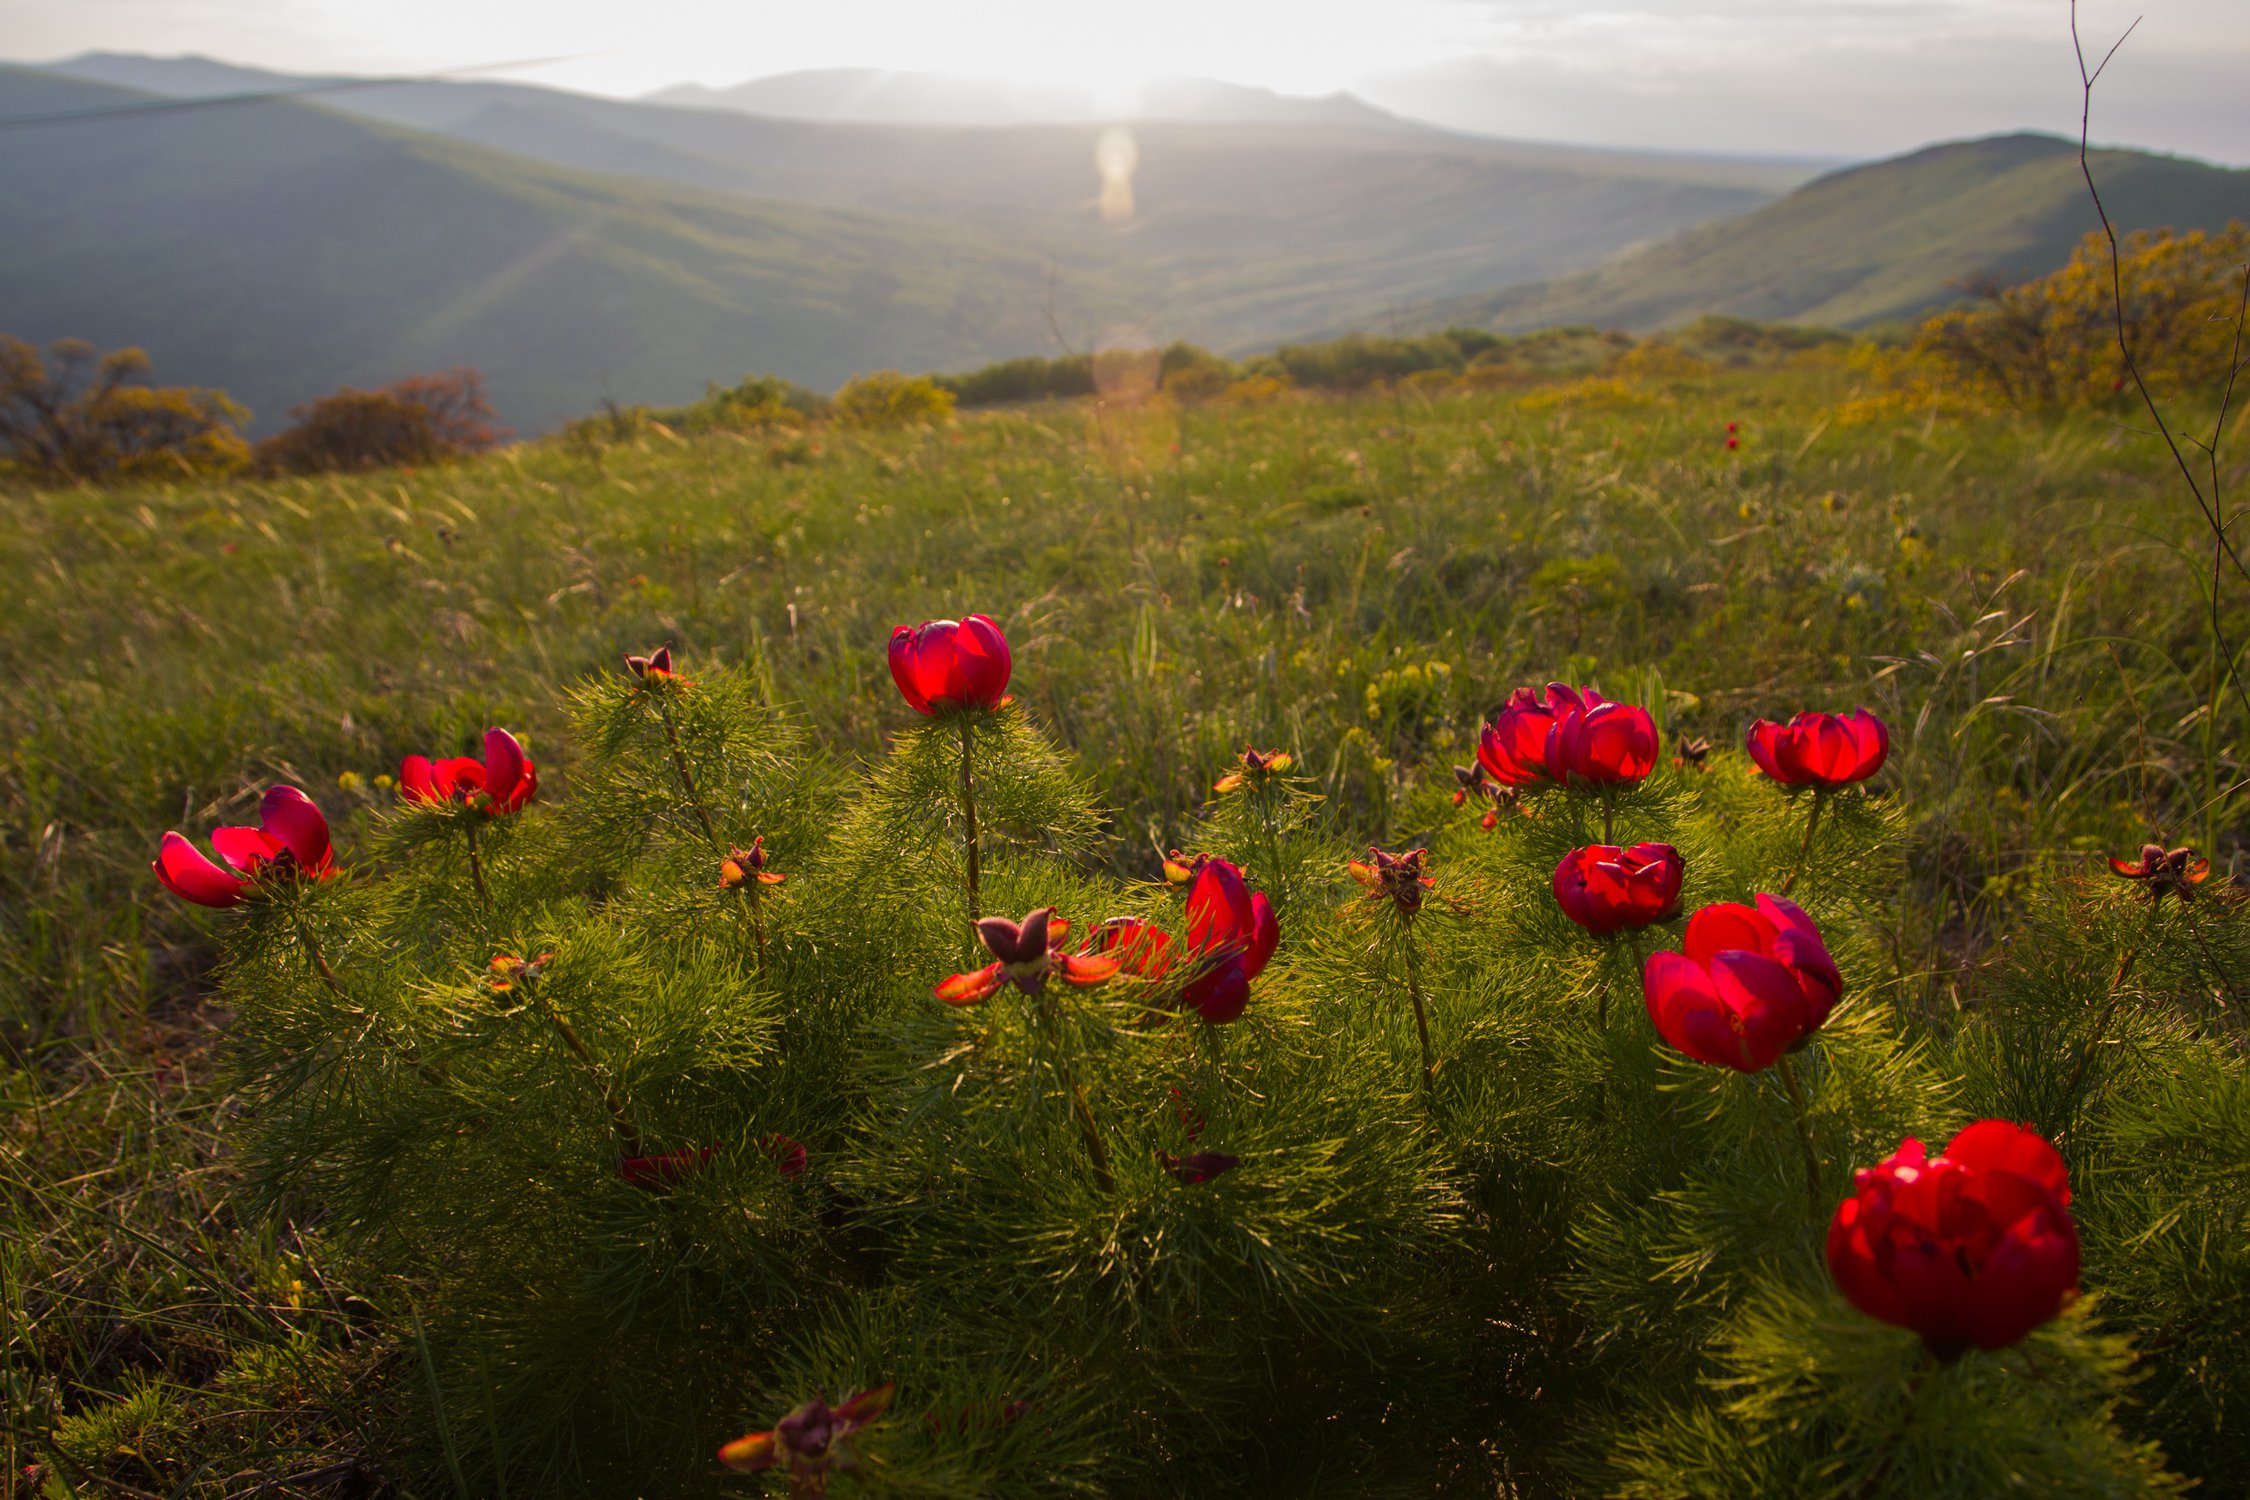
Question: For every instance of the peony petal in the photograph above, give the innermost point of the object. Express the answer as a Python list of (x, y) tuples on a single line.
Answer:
[(416, 779), (503, 768), (972, 988), (1084, 968), (1265, 935), (245, 848), (1686, 1011), (2029, 1277), (866, 1406), (1218, 909), (905, 669), (1768, 1002), (1221, 995), (1998, 1146), (1852, 1260), (290, 816), (749, 1455), (986, 663), (1763, 743), (1725, 925), (183, 871)]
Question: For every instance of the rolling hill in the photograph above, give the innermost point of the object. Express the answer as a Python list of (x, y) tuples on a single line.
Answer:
[(1875, 244), (1243, 234), (279, 249)]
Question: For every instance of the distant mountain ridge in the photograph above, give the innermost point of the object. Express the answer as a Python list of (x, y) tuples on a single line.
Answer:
[(872, 96), (1884, 242)]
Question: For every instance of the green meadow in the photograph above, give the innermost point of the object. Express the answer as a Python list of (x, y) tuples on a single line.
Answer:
[(1357, 579)]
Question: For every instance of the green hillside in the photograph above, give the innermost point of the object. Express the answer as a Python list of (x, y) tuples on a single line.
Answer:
[(1244, 235), (1869, 244), (280, 249)]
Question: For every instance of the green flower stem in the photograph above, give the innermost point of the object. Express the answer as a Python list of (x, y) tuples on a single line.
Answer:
[(687, 781), (476, 864), (1804, 1128), (1421, 1011), (1089, 1132), (628, 1136), (1889, 1454), (969, 821), (2109, 1007), (1804, 850), (327, 975)]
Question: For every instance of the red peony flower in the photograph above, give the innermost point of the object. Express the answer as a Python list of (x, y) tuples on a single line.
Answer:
[(1973, 1247), (1231, 934), (501, 783), (742, 865), (1825, 751), (808, 1442), (1600, 743), (944, 664), (1201, 1167), (289, 843), (1513, 747), (787, 1153), (1398, 876), (1607, 889), (1024, 954), (1751, 985), (2167, 872)]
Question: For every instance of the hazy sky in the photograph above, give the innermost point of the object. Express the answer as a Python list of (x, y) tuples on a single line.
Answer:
[(1819, 77)]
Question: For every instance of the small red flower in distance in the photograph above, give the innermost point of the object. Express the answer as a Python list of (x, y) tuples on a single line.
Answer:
[(1600, 743), (2167, 872), (655, 668), (808, 1442), (1752, 984), (1824, 751), (289, 843), (1257, 767), (741, 865), (1975, 1246), (500, 783), (1604, 888), (1398, 876), (1733, 442), (1201, 1167), (947, 664), (1024, 954)]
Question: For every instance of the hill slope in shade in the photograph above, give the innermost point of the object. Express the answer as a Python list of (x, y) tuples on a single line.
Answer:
[(1243, 234), (279, 250), (1872, 244)]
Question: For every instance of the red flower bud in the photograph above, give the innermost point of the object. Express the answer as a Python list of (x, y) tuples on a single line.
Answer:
[(501, 783), (1607, 889), (1973, 1247), (1752, 984), (1824, 751), (945, 664)]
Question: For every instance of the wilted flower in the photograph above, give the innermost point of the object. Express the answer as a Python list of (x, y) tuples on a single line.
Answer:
[(1823, 751), (741, 865), (2165, 872), (1598, 742), (1752, 984), (655, 668), (946, 664), (1180, 868), (1693, 753), (1257, 767), (1604, 888), (1975, 1246), (1200, 1167), (500, 783), (1469, 782), (506, 971), (1024, 954), (809, 1442), (1398, 876), (290, 843)]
